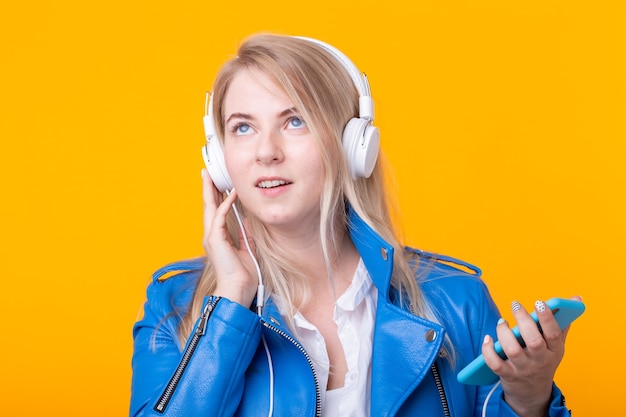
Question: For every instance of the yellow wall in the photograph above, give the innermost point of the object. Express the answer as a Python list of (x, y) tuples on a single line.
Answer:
[(504, 121)]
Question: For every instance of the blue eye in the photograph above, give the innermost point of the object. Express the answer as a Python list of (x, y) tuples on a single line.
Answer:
[(241, 129), (295, 123)]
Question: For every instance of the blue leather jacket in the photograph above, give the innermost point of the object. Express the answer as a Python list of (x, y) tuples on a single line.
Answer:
[(223, 370)]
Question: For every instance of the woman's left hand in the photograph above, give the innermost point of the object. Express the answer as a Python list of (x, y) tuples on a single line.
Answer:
[(528, 372)]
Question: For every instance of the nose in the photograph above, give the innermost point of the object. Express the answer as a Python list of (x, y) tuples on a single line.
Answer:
[(269, 148)]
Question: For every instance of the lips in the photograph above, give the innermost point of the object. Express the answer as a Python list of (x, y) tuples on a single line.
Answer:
[(271, 183)]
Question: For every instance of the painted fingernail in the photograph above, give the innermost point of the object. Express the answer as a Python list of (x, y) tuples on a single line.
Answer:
[(486, 339), (202, 172), (540, 306), (516, 306), (501, 321)]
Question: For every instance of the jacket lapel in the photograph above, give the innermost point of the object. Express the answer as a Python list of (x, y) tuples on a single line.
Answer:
[(405, 345)]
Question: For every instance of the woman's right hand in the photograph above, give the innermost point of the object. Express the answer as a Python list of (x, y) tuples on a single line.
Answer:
[(234, 269)]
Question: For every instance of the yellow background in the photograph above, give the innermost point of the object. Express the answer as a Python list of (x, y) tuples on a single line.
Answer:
[(504, 121)]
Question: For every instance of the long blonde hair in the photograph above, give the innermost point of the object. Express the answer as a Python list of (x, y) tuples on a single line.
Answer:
[(325, 95)]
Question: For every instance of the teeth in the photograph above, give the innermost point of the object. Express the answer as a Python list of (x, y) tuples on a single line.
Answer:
[(271, 184)]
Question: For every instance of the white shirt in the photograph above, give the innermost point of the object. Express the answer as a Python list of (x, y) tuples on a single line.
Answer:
[(354, 315)]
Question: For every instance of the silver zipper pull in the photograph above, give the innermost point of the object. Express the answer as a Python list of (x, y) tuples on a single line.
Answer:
[(204, 319)]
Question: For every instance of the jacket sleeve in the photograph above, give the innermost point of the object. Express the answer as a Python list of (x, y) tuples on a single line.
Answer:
[(501, 409), (206, 378)]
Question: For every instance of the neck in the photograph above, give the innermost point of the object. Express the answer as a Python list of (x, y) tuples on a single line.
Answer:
[(327, 278), (304, 246)]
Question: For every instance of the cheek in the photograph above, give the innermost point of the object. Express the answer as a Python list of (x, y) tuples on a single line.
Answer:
[(315, 168), (234, 161)]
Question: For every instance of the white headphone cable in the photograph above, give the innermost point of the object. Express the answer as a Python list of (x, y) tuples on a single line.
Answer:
[(271, 370), (260, 302), (484, 413), (260, 296)]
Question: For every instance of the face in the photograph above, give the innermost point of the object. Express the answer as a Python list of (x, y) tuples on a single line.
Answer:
[(271, 155)]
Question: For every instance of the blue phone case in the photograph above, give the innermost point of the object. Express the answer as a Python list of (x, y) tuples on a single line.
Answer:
[(478, 373)]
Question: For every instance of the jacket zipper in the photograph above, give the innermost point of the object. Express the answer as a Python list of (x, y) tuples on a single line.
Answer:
[(442, 393), (318, 400), (170, 388)]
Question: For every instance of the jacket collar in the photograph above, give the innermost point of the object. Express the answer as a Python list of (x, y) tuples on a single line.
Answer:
[(405, 345), (377, 254)]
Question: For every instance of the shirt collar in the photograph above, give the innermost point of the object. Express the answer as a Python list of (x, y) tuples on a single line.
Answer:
[(357, 291), (354, 295)]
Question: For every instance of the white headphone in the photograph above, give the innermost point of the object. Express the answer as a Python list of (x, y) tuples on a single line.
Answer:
[(360, 140)]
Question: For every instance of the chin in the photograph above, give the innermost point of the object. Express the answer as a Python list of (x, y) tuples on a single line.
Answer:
[(285, 219)]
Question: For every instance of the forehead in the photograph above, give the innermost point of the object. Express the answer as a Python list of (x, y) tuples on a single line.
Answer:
[(252, 91)]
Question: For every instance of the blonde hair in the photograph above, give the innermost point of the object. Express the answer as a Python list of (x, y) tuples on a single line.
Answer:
[(325, 95)]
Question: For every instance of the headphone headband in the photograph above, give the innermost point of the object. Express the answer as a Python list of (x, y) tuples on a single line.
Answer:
[(366, 104)]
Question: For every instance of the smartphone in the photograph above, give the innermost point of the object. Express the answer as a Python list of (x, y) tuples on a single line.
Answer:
[(478, 373)]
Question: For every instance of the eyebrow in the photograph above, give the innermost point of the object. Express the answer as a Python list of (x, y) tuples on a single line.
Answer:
[(247, 116), (238, 116), (285, 112)]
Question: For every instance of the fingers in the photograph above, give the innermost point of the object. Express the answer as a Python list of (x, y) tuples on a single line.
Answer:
[(493, 360), (210, 195), (210, 198), (528, 329), (215, 206), (552, 335), (245, 239), (538, 336), (533, 340)]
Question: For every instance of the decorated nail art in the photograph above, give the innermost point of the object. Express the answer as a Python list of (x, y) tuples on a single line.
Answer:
[(501, 320), (540, 306), (516, 306)]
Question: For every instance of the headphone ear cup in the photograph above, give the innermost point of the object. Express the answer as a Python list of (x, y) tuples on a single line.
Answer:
[(361, 143), (215, 164)]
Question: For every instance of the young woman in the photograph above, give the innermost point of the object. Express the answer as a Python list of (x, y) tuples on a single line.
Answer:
[(312, 306)]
